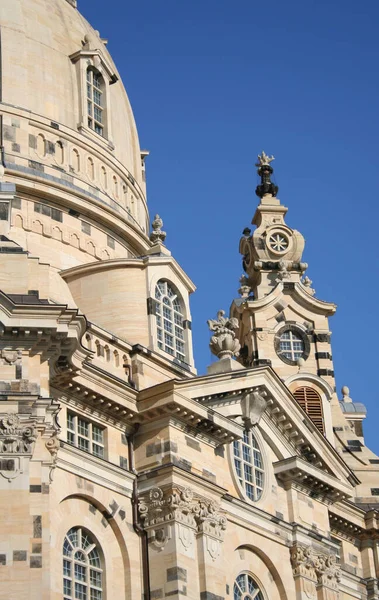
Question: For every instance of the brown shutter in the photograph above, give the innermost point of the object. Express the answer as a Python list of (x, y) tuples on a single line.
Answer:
[(310, 401)]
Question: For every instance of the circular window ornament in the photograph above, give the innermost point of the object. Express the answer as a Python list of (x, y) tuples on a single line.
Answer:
[(278, 242), (248, 464), (291, 344), (246, 588)]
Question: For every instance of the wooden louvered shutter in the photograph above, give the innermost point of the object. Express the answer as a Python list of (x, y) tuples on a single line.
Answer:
[(310, 401)]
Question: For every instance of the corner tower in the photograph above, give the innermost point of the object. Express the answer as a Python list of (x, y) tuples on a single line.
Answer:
[(281, 322)]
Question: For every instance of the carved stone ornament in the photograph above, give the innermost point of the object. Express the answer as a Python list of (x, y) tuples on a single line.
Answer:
[(159, 510), (245, 288), (223, 342), (16, 437), (157, 236), (318, 569), (53, 446), (307, 283), (253, 405)]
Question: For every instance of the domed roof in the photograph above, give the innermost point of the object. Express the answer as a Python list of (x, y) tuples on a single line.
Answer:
[(47, 46)]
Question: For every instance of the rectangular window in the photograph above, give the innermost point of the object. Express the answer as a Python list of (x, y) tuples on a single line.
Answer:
[(56, 215), (43, 209), (85, 435)]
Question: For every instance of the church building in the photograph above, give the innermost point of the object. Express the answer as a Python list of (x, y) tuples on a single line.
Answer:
[(125, 474)]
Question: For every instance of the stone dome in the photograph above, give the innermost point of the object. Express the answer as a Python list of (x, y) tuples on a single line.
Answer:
[(68, 127), (39, 41)]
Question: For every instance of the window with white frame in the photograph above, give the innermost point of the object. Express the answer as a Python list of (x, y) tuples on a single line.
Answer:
[(85, 435), (246, 588), (95, 101), (169, 320), (291, 345), (82, 567), (248, 463)]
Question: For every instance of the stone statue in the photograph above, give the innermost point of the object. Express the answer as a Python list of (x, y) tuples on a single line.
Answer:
[(223, 342), (264, 160)]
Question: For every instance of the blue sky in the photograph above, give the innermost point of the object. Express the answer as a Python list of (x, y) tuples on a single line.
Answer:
[(212, 83)]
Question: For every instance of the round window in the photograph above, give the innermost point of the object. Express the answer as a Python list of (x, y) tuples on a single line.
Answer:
[(248, 463), (245, 588), (291, 344), (278, 242)]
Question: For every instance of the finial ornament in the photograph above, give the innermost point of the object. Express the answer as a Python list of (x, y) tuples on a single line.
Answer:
[(265, 171), (264, 160), (157, 236), (223, 342)]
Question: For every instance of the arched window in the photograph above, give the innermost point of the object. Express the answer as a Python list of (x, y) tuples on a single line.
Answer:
[(95, 101), (249, 465), (245, 588), (82, 567), (169, 318), (310, 401)]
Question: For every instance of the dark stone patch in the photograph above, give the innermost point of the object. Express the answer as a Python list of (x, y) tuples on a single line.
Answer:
[(37, 548), (220, 451), (183, 592), (261, 362), (36, 165), (280, 317), (193, 443), (151, 306), (227, 589), (155, 594), (279, 515), (325, 373), (50, 148), (124, 463), (16, 202), (124, 439), (16, 147), (150, 450), (122, 514), (210, 596), (288, 285), (54, 125), (176, 573), (104, 522), (182, 463), (35, 489), (113, 506), (92, 509), (280, 306), (209, 475), (3, 559), (37, 526), (32, 141), (9, 133), (45, 488), (36, 562), (322, 337), (187, 324), (169, 446), (340, 429), (19, 555), (323, 355)]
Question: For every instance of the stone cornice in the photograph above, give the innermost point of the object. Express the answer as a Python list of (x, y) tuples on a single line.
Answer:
[(124, 263), (295, 472)]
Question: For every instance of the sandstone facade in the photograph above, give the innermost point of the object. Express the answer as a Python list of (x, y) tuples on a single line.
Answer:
[(123, 473)]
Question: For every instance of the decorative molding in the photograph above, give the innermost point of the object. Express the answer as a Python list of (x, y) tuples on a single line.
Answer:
[(194, 515), (316, 568)]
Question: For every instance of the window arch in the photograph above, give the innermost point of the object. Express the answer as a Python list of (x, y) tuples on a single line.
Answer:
[(246, 588), (95, 100), (249, 467), (83, 571), (169, 320), (311, 402)]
